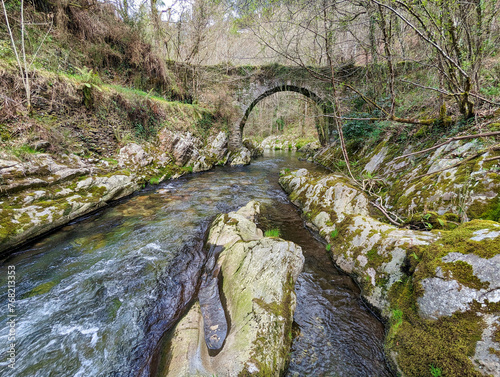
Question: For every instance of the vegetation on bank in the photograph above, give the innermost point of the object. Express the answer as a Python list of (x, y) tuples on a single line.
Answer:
[(69, 119), (272, 233), (96, 83)]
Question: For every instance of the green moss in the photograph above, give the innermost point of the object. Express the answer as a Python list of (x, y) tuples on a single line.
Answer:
[(67, 209), (463, 273), (431, 220), (98, 191), (494, 352), (447, 343), (41, 289), (458, 240), (493, 127), (273, 307), (492, 212), (110, 160), (112, 309), (268, 364), (496, 334), (24, 219), (187, 169), (422, 131)]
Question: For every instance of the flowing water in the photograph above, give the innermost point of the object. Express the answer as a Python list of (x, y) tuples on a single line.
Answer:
[(95, 297)]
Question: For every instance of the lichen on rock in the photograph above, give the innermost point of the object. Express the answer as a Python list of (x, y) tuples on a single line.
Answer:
[(258, 278), (439, 290)]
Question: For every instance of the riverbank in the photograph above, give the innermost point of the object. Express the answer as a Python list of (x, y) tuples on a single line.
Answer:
[(42, 191), (432, 276)]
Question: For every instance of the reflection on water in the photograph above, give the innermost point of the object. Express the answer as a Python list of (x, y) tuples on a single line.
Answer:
[(336, 335), (95, 297)]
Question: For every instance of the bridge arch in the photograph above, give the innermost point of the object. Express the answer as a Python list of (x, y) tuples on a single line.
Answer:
[(323, 134)]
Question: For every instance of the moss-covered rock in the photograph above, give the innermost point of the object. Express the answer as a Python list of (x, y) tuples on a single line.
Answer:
[(449, 305), (374, 252), (41, 194), (461, 177), (440, 290), (258, 278)]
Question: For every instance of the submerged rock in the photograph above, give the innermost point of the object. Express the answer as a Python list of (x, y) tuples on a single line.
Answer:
[(258, 277)]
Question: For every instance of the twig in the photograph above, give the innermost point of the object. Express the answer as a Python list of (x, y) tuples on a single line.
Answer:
[(430, 88), (381, 209), (41, 43), (10, 99), (449, 141), (483, 99), (492, 158)]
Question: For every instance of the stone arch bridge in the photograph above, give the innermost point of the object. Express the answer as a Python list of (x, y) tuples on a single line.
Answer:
[(245, 86)]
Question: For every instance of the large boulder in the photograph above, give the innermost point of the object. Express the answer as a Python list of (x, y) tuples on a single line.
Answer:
[(242, 157), (255, 150), (37, 211), (179, 145), (258, 277), (458, 177), (371, 250), (439, 290), (310, 147), (133, 154), (279, 142), (218, 146), (213, 153)]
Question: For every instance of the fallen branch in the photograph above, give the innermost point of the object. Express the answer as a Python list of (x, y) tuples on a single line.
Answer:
[(382, 209), (492, 159), (496, 133), (483, 99)]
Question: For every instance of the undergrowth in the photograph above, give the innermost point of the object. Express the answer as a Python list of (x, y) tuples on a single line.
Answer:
[(272, 233)]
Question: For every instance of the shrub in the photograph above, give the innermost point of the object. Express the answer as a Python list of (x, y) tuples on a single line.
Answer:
[(356, 129)]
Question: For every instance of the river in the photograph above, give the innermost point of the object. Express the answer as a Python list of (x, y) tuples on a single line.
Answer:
[(95, 297)]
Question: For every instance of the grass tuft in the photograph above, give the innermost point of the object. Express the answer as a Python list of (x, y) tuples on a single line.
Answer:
[(272, 233)]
